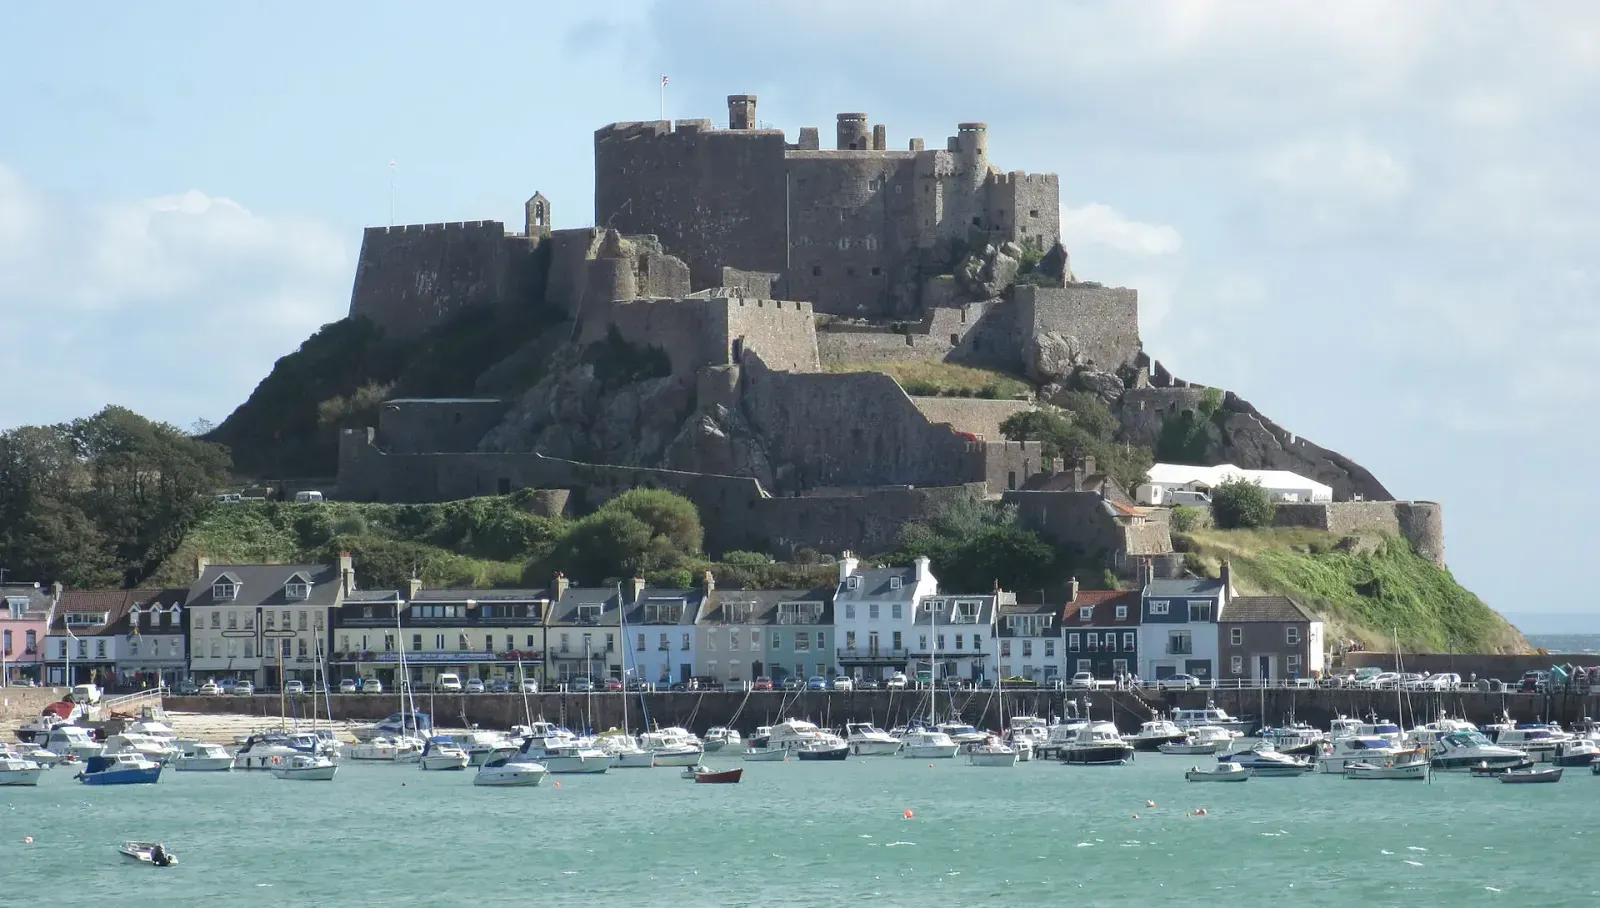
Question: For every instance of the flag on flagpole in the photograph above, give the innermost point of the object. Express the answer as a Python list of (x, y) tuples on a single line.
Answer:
[(664, 79)]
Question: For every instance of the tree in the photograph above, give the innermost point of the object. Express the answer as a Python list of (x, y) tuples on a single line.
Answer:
[(672, 517), (1084, 430), (973, 545), (1240, 503)]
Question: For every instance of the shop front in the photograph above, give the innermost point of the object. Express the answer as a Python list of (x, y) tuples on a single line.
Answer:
[(425, 667)]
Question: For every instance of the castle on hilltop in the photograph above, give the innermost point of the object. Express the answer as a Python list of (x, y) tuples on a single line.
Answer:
[(746, 289)]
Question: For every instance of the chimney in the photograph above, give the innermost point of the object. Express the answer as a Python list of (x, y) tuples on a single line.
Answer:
[(922, 567), (711, 583), (1149, 571), (847, 565), (1072, 590), (201, 562), (55, 592), (1088, 464), (638, 587), (880, 138), (413, 588), (1227, 578), (347, 573), (560, 586)]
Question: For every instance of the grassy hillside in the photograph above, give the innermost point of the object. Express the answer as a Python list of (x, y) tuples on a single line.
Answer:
[(1363, 587), (932, 378)]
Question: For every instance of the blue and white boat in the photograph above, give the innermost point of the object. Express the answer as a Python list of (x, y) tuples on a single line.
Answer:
[(120, 769), (412, 724), (1460, 751), (1264, 762)]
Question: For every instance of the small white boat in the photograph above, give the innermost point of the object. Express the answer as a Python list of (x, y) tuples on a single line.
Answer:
[(625, 751), (672, 747), (1222, 772), (927, 744), (768, 754), (37, 729), (992, 753), (719, 737), (200, 756), (152, 853), (868, 740), (443, 754), (1389, 769), (388, 750), (1156, 732), (73, 740), (1533, 775), (483, 746), (1202, 739), (1263, 761), (17, 771), (507, 772), (34, 752), (306, 768)]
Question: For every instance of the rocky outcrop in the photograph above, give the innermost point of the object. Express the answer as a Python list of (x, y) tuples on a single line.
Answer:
[(1051, 357), (1056, 265), (987, 274)]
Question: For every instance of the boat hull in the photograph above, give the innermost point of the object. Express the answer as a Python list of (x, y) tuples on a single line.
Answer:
[(984, 759), (20, 776), (123, 777), (770, 755), (484, 755), (445, 763), (1210, 747), (1100, 755), (929, 751), (830, 754), (1155, 742), (202, 764), (562, 765), (874, 748), (1200, 775), (1531, 776), (1404, 771), (511, 775), (677, 757), (640, 760), (726, 776), (1584, 759), (310, 774), (1496, 764)]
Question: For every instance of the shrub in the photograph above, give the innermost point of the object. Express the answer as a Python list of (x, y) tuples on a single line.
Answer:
[(1240, 503), (1185, 519)]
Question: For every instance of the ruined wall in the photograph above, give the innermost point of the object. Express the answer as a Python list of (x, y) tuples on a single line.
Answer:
[(411, 278), (710, 332), (976, 334), (752, 284), (1419, 522), (1104, 320), (415, 426), (967, 414), (714, 197)]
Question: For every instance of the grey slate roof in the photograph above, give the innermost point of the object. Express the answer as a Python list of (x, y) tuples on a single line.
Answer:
[(1048, 609), (637, 610), (38, 596), (564, 611), (874, 585), (1188, 586), (262, 585), (492, 595), (372, 596), (1280, 609), (765, 604), (945, 608)]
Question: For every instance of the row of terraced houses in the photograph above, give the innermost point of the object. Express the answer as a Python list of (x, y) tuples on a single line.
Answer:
[(266, 622)]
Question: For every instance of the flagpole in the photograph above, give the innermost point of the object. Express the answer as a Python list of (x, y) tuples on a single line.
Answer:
[(664, 96), (391, 193)]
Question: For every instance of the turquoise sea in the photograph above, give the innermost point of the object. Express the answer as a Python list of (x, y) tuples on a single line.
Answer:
[(805, 834)]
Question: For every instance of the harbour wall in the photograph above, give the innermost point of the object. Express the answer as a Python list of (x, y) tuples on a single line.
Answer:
[(1485, 665), (699, 712), (26, 702)]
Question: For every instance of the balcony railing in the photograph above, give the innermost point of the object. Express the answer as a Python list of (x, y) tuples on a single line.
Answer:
[(1180, 649), (867, 654)]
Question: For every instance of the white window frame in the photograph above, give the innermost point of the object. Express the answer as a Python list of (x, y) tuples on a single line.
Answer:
[(1072, 643), (1086, 613), (1236, 665), (1122, 612), (1129, 641), (1291, 635), (1236, 636), (1159, 606)]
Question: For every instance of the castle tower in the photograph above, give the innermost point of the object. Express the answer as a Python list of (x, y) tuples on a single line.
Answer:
[(972, 139), (536, 215), (741, 111), (854, 134)]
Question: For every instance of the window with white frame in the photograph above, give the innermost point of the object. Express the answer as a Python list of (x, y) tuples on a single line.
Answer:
[(1027, 648), (1122, 612), (1158, 606), (1005, 647), (1128, 641), (1111, 641), (1294, 662), (1236, 636), (216, 619), (224, 590), (1119, 666), (297, 588), (1291, 635), (850, 611), (1049, 649), (1086, 613), (1236, 665), (894, 583), (1072, 643), (872, 612), (1083, 665), (852, 583), (896, 609), (1094, 642)]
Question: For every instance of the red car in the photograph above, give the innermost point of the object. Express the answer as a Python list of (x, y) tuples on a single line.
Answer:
[(612, 684), (761, 683)]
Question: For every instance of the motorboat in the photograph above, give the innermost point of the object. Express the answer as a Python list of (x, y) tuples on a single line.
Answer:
[(509, 772), (992, 753), (1097, 744), (37, 729), (73, 740), (965, 736), (152, 853), (768, 754), (34, 752), (1461, 750), (1263, 761), (625, 751), (1413, 768), (1485, 770), (1202, 739), (717, 738), (154, 749), (1532, 775), (1156, 732), (259, 751), (1211, 715), (761, 738), (442, 753), (1426, 735), (868, 740), (1379, 728), (1030, 730), (702, 775), (120, 769), (1493, 730), (152, 722), (927, 744), (483, 746), (826, 747), (400, 749), (670, 747), (1539, 740), (1295, 739), (562, 757), (790, 734), (306, 768), (1356, 749), (200, 756), (1578, 752), (401, 723), (1059, 735), (1222, 772), (17, 771)]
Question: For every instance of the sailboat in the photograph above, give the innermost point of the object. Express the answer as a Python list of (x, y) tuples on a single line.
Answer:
[(404, 747), (299, 766), (993, 751), (928, 742), (620, 744)]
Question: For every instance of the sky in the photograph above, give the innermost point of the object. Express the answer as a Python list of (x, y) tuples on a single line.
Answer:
[(1372, 220)]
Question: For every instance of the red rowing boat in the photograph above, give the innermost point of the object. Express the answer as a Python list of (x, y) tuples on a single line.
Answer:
[(727, 775)]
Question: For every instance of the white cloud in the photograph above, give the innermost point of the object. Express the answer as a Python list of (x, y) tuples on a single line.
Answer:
[(1346, 168), (173, 305), (1103, 225)]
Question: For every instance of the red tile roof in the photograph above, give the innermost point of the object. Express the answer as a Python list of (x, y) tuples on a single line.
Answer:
[(1105, 612)]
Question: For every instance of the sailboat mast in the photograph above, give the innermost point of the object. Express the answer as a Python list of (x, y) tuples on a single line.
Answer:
[(622, 623)]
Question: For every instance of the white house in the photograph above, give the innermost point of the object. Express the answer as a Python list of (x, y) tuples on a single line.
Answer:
[(260, 621), (1030, 644), (1172, 483), (956, 633), (1178, 625), (874, 614)]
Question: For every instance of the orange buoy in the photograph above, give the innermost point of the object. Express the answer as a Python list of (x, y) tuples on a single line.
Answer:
[(28, 839), (557, 784), (908, 815)]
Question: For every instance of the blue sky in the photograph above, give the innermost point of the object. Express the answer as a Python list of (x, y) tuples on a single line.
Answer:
[(1370, 219)]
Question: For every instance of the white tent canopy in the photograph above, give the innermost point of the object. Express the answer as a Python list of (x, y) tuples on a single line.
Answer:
[(1166, 478)]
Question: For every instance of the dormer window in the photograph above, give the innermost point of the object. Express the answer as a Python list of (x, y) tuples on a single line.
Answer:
[(894, 583), (1122, 612), (852, 583), (226, 589), (297, 589), (17, 606), (1086, 613), (133, 615)]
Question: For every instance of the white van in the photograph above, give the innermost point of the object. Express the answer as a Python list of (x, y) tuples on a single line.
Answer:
[(230, 498), (86, 693), (447, 682), (1176, 497), (306, 497)]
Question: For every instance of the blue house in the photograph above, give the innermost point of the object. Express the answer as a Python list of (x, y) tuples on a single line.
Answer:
[(1178, 625)]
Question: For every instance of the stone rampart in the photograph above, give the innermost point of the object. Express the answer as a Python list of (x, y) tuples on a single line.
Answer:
[(1104, 321), (436, 426), (975, 416), (412, 278), (1419, 522), (696, 333)]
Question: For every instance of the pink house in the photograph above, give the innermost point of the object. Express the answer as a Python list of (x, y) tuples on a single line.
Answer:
[(25, 612)]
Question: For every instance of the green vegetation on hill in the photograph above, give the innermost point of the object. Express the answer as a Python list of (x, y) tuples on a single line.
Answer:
[(1363, 587), (289, 427), (1084, 428), (931, 378)]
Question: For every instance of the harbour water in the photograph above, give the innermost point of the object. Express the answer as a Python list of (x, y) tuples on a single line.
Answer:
[(805, 834)]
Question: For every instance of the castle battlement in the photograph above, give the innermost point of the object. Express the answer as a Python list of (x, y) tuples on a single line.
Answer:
[(497, 228), (1017, 176)]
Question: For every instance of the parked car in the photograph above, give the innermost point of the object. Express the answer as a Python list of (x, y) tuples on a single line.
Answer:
[(1534, 682), (1083, 681), (636, 686), (1179, 682), (294, 688), (580, 685), (371, 686), (447, 682), (244, 689), (816, 682), (530, 686), (866, 684), (188, 687), (1015, 682), (1380, 681), (476, 686), (897, 681), (499, 686), (924, 679), (843, 683), (348, 686), (226, 684), (613, 684), (1409, 680), (210, 689), (1439, 681), (761, 683), (793, 684)]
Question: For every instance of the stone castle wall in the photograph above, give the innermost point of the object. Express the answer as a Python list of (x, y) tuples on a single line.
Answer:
[(712, 332), (1104, 320), (407, 426), (411, 278), (976, 416), (1419, 522)]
